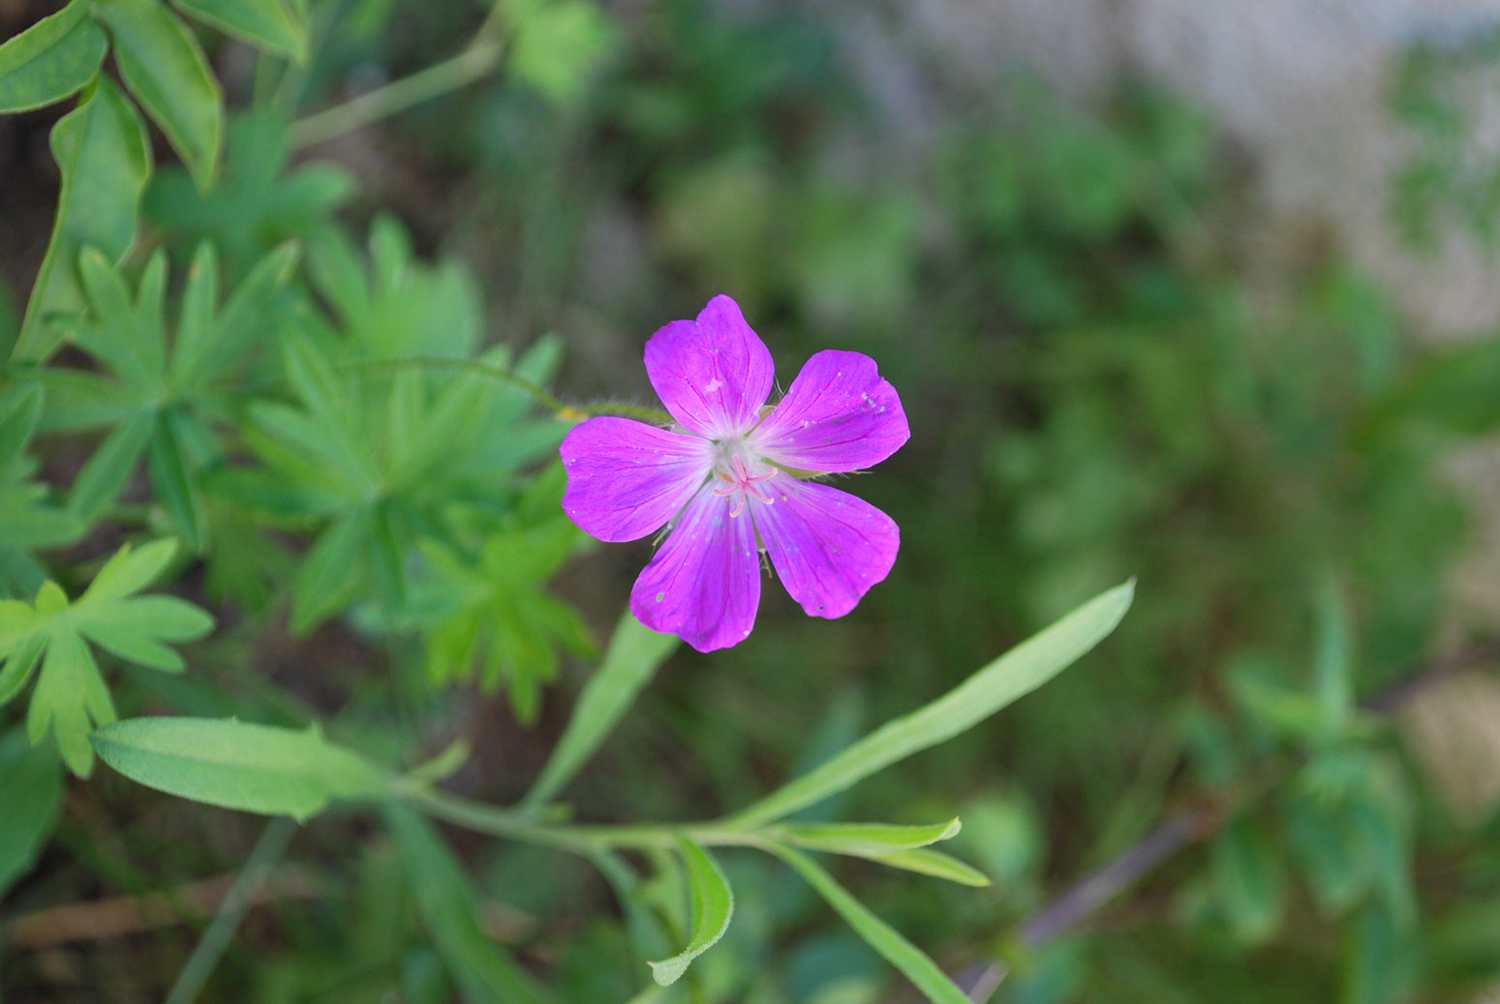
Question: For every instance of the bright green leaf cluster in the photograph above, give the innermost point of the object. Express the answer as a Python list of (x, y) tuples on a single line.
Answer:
[(59, 635)]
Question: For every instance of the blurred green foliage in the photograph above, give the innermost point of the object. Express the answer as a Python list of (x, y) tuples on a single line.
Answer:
[(1097, 389)]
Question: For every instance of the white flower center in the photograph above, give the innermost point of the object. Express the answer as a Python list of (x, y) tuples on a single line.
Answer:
[(738, 474)]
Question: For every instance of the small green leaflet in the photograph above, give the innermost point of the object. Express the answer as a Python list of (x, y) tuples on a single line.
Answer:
[(105, 160), (238, 765), (888, 844), (70, 696), (1013, 675), (911, 960), (50, 60), (157, 401), (166, 71), (867, 839), (713, 905), (27, 520)]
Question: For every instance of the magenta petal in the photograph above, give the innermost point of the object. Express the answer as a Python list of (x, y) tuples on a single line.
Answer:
[(828, 547), (713, 374), (704, 582), (626, 479), (838, 416)]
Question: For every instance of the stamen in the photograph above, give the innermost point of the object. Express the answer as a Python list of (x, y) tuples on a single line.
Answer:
[(742, 482)]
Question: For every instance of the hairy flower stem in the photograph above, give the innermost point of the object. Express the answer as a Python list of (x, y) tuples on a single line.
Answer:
[(564, 411)]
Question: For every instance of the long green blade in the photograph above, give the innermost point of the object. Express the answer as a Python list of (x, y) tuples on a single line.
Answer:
[(885, 939), (1013, 675)]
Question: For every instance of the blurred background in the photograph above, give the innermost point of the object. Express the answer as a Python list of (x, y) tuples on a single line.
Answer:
[(1203, 293)]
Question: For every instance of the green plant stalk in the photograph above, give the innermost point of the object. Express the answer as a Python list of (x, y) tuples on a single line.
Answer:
[(481, 57), (200, 965), (496, 821), (564, 411)]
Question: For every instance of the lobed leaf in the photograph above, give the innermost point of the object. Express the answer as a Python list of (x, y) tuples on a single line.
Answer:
[(50, 60), (237, 765), (630, 662), (1013, 675), (895, 949), (713, 906)]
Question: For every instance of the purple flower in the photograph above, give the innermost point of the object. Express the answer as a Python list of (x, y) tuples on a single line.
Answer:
[(730, 479)]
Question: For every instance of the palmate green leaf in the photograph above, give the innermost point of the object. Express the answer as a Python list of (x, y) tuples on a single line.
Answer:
[(159, 399), (165, 69), (895, 949), (237, 765), (256, 204), (32, 782), (273, 25), (634, 654), (445, 898), (27, 521), (104, 474), (102, 152), (1013, 675), (713, 906), (50, 60), (70, 696)]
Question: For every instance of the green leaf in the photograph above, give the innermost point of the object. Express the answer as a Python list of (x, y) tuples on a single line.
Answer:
[(557, 44), (70, 698), (171, 482), (110, 466), (713, 906), (445, 897), (20, 662), (237, 765), (206, 349), (102, 152), (1013, 675), (32, 782), (895, 949), (631, 661), (162, 64), (129, 570), (269, 24), (333, 572), (866, 839), (51, 59), (1249, 880), (1332, 682), (133, 628), (934, 863)]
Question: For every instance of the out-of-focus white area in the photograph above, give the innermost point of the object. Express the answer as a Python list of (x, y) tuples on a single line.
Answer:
[(1302, 85)]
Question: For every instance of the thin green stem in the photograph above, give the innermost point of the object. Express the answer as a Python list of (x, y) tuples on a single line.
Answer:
[(563, 410), (483, 818), (210, 948), (481, 57)]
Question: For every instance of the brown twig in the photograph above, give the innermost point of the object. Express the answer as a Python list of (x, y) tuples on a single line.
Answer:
[(120, 915)]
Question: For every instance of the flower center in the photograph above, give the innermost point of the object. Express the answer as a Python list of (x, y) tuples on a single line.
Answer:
[(737, 481)]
